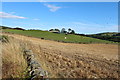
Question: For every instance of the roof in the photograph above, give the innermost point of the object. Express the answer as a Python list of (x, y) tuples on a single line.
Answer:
[(54, 31)]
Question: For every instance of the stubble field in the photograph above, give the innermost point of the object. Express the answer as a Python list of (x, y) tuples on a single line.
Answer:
[(69, 60)]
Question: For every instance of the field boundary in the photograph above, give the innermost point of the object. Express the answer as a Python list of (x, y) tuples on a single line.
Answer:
[(34, 68)]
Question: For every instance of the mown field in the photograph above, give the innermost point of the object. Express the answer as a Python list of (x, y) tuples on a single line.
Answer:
[(57, 37)]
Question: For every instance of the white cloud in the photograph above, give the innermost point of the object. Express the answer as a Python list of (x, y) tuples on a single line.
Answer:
[(42, 1), (52, 8), (7, 15), (79, 23)]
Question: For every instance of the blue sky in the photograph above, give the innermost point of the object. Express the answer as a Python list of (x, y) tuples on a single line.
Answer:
[(83, 17), (60, 0)]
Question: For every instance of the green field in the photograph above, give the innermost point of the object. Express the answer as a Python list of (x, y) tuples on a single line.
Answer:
[(57, 37)]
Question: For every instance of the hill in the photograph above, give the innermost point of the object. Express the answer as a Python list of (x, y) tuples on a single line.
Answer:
[(70, 38), (110, 36), (4, 27), (17, 28)]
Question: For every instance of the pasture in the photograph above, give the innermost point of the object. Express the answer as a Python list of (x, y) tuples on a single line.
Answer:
[(70, 38)]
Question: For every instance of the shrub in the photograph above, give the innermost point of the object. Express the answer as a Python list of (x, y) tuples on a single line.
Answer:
[(4, 38)]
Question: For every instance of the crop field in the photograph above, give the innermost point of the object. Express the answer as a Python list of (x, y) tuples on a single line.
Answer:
[(57, 37)]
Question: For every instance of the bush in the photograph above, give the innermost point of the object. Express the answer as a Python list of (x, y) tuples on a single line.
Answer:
[(4, 38)]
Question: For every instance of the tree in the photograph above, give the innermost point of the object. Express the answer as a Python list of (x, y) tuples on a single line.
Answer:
[(63, 30), (51, 29), (57, 30), (17, 28), (69, 30), (72, 32)]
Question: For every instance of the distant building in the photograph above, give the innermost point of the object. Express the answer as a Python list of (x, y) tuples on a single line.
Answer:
[(54, 30)]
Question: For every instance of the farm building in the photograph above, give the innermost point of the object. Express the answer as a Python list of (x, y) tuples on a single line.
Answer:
[(54, 30)]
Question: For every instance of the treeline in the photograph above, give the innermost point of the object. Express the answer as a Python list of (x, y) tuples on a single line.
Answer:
[(4, 27), (63, 30), (107, 36), (17, 28)]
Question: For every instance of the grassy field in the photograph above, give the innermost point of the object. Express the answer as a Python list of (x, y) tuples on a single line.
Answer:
[(57, 37)]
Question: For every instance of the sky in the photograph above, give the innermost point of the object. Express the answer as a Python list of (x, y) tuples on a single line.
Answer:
[(83, 17), (60, 0)]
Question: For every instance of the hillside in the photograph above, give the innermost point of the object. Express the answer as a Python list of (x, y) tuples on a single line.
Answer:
[(61, 60), (5, 27), (70, 38), (110, 36)]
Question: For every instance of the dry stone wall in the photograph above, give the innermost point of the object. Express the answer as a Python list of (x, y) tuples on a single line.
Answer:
[(34, 67)]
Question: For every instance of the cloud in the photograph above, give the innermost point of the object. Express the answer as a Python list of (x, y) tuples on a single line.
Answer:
[(7, 15), (79, 23), (52, 8), (42, 1)]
